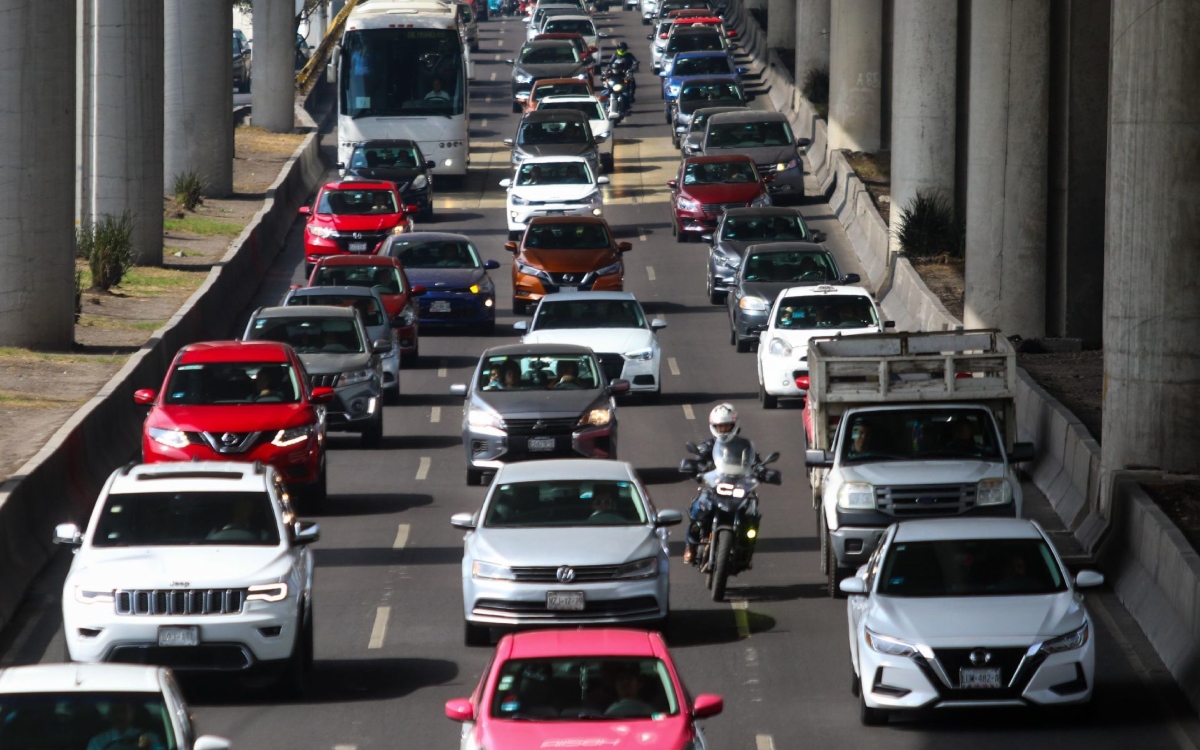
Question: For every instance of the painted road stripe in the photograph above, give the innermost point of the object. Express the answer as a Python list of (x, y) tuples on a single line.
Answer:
[(435, 414), (487, 99), (401, 536), (741, 617), (497, 58), (493, 76), (650, 272), (345, 747), (379, 629), (641, 234), (687, 411), (670, 363), (423, 468), (442, 368), (764, 742)]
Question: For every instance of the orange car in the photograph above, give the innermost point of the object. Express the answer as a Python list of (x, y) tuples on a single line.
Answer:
[(565, 254), (557, 87)]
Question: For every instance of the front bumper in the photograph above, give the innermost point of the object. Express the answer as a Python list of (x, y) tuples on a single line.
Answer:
[(778, 374), (298, 464), (465, 309), (354, 408), (489, 449), (858, 532), (533, 288), (787, 185), (519, 216), (749, 323), (695, 222), (492, 602)]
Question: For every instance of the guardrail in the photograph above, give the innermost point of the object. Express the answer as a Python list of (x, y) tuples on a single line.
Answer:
[(333, 35)]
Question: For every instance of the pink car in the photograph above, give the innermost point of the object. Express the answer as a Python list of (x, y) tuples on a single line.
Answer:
[(582, 688)]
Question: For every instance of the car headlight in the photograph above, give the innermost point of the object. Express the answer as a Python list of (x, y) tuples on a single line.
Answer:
[(727, 260), (400, 228), (477, 417), (753, 304), (408, 315), (581, 76), (761, 201), (267, 592), (779, 348), (519, 201), (292, 436), (646, 568), (1075, 639), (610, 269), (783, 166), (354, 377), (420, 182), (885, 644), (687, 204), (522, 78), (481, 569), (856, 496), (83, 596), (169, 438), (596, 417), (673, 90), (993, 492), (592, 197), (531, 271), (640, 355), (322, 232)]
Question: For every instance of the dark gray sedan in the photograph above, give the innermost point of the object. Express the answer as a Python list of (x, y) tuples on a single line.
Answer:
[(765, 137), (556, 132), (530, 401), (767, 270), (554, 58), (738, 229)]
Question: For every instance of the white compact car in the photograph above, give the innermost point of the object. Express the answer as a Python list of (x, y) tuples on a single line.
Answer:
[(581, 24), (969, 612), (598, 117), (612, 324), (111, 706), (196, 566), (800, 313), (552, 186)]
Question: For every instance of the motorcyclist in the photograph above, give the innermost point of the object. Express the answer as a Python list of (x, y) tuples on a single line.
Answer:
[(624, 61), (723, 423)]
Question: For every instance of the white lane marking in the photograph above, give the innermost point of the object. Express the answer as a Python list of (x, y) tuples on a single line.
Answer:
[(493, 76), (345, 747), (650, 272), (487, 99), (641, 234), (497, 58), (764, 742), (687, 412), (741, 618), (401, 536), (672, 364), (379, 629), (435, 414), (442, 368), (423, 468), (500, 42), (483, 123)]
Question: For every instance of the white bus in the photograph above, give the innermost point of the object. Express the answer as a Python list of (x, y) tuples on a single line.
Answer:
[(401, 71)]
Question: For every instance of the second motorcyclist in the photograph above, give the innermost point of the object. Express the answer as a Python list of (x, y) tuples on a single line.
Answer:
[(723, 423)]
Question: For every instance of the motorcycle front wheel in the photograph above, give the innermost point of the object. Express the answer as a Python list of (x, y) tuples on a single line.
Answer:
[(720, 566)]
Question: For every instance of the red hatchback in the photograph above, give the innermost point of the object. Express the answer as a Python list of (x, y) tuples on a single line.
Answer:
[(352, 217), (583, 688), (239, 401), (385, 275), (707, 185)]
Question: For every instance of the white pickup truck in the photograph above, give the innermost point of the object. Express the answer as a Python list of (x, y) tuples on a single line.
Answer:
[(908, 425)]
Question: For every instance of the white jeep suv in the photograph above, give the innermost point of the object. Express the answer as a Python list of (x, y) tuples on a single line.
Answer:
[(195, 566)]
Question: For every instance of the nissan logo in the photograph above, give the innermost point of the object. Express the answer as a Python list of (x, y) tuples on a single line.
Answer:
[(978, 656), (229, 439), (566, 574), (568, 277)]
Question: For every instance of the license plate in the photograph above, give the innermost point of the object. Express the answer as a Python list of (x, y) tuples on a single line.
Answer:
[(541, 444), (571, 601), (439, 306), (568, 289), (978, 678), (175, 635), (555, 213), (358, 247)]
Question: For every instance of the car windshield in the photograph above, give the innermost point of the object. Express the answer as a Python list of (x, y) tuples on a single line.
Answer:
[(749, 134), (612, 313), (367, 307), (385, 278), (435, 254), (553, 132), (573, 688), (229, 383), (971, 567), (706, 65), (357, 202), (589, 109), (775, 228), (920, 435), (565, 502), (157, 519), (403, 157), (567, 236), (571, 26), (575, 88), (539, 373), (551, 54), (711, 92), (704, 40), (310, 335), (717, 172), (789, 266), (78, 720), (554, 173), (829, 311)]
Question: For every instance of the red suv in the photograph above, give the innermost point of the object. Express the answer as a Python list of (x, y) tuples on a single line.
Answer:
[(352, 217), (707, 185), (239, 401), (385, 275)]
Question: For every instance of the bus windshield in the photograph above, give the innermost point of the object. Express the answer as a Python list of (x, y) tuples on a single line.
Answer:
[(402, 72)]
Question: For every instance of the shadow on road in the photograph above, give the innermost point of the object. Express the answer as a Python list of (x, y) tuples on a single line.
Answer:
[(371, 504)]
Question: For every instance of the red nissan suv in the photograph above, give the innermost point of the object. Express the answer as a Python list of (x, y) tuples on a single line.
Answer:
[(352, 216)]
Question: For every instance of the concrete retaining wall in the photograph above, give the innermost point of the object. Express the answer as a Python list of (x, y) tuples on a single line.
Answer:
[(61, 482)]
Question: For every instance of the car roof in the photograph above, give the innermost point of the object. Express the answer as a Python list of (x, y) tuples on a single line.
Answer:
[(343, 291), (595, 642), (568, 98), (589, 296), (234, 351), (786, 247), (81, 678), (555, 160), (823, 289), (565, 468), (190, 476), (764, 211), (701, 53), (553, 115), (573, 17), (359, 260), (750, 115), (717, 158), (359, 185), (522, 350), (543, 43), (430, 237), (927, 530), (388, 142), (307, 311), (547, 81), (568, 220)]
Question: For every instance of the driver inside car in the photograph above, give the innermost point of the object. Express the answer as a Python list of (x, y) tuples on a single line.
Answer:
[(124, 734)]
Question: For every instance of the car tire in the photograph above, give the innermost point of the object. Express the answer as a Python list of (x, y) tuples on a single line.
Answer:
[(474, 477), (316, 494), (732, 335), (293, 679), (391, 396), (372, 436), (833, 572), (476, 635), (741, 344), (517, 107), (767, 400), (519, 307), (855, 683), (606, 161), (871, 717), (410, 359)]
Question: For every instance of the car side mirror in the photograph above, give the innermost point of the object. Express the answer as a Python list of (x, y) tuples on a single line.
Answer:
[(382, 346), (658, 324), (672, 184), (341, 165), (463, 521), (460, 709), (668, 518), (508, 141), (458, 389), (430, 164), (818, 459), (305, 532), (889, 324), (618, 386), (419, 290), (510, 62), (803, 142), (1086, 579), (707, 238), (510, 246), (68, 534), (818, 237), (521, 325), (321, 395), (505, 183), (850, 278), (602, 180), (304, 210), (689, 466), (144, 396), (624, 247), (491, 265), (853, 585), (707, 705), (211, 742), (1021, 453)]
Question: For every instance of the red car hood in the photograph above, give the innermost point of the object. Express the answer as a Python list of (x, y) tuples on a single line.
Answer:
[(724, 193), (360, 222), (243, 418), (569, 261), (669, 734)]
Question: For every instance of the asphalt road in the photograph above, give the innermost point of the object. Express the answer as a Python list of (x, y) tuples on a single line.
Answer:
[(388, 606)]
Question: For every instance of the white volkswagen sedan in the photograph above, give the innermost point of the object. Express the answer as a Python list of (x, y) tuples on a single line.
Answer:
[(612, 324), (552, 186), (800, 313), (975, 612)]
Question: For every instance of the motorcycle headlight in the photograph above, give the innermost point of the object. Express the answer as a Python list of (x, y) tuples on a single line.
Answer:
[(856, 496), (408, 315), (885, 644), (83, 596), (531, 271), (779, 348), (640, 355), (609, 270), (169, 438), (267, 592), (753, 304), (322, 232), (646, 568), (518, 200), (761, 201), (420, 182), (292, 436), (596, 417), (687, 204), (522, 78), (1074, 640), (481, 569), (354, 377), (617, 87), (993, 492)]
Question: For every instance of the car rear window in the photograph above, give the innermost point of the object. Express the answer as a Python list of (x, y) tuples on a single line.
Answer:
[(157, 519)]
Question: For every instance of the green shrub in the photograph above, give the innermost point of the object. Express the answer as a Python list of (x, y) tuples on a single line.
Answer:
[(78, 295), (107, 245), (189, 189), (928, 227), (816, 85)]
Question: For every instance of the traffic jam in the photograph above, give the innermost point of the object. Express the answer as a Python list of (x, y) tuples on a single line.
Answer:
[(199, 557)]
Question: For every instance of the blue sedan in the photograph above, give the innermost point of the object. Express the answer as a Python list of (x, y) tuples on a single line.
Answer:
[(697, 64), (459, 291)]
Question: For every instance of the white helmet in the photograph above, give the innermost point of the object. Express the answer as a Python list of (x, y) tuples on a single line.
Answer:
[(722, 422)]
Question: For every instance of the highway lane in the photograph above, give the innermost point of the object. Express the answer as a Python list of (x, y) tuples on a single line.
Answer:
[(388, 598)]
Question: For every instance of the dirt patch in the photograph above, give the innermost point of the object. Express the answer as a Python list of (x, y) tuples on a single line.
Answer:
[(1180, 500), (875, 170), (1074, 378), (944, 277), (42, 390)]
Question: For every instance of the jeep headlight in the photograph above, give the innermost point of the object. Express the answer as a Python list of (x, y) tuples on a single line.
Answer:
[(169, 438), (779, 348), (267, 592), (83, 596), (1074, 640), (354, 377), (292, 436), (856, 496), (993, 492)]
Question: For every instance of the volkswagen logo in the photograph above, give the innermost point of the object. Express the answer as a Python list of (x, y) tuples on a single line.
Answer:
[(979, 656), (229, 439), (358, 235), (566, 574), (539, 425)]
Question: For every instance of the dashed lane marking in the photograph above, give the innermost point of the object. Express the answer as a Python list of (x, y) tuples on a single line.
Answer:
[(379, 629), (442, 368), (687, 412), (483, 123), (493, 76), (435, 415), (345, 747), (423, 468), (641, 234), (673, 365), (764, 742), (401, 536), (650, 272)]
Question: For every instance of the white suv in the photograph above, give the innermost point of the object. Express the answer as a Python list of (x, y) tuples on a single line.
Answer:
[(196, 566)]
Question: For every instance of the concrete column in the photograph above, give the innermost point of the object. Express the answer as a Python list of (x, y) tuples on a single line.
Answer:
[(198, 84), (856, 28), (1152, 239), (781, 24), (37, 164), (126, 110), (812, 36), (924, 58), (274, 65), (1006, 167)]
